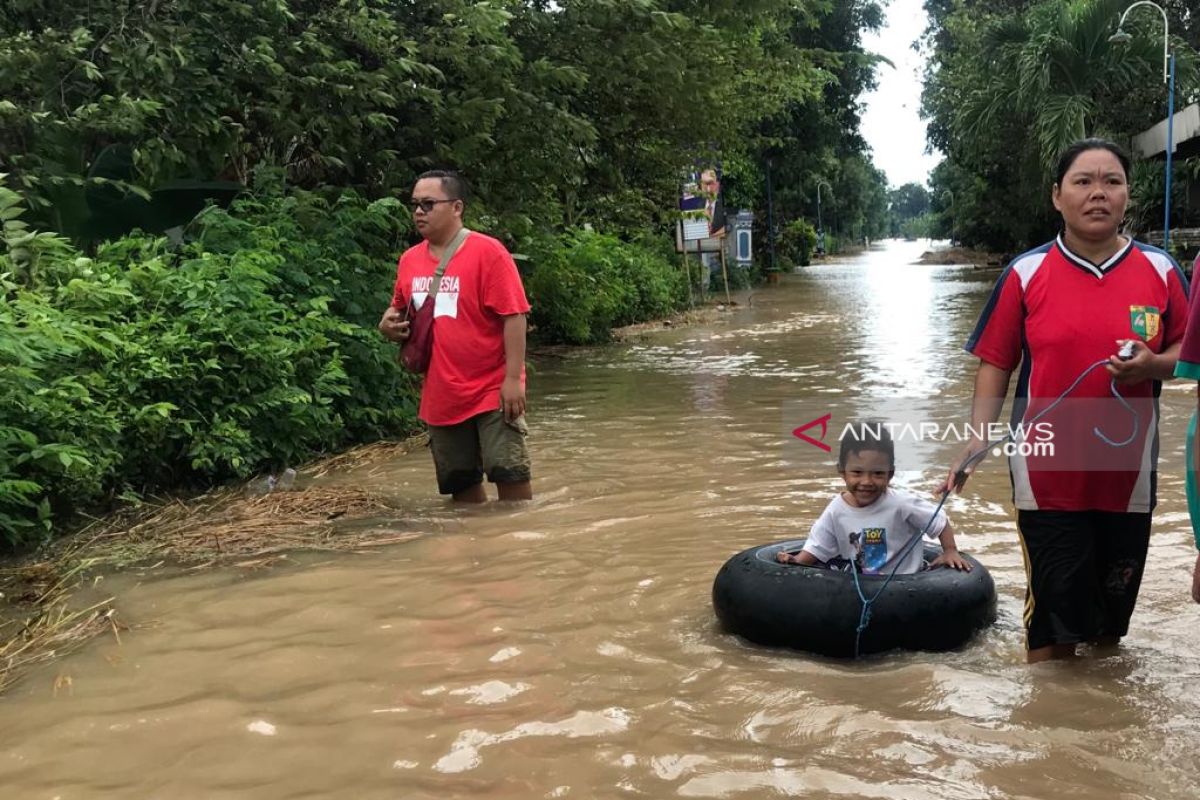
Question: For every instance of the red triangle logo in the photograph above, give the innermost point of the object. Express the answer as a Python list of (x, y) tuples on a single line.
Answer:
[(799, 433)]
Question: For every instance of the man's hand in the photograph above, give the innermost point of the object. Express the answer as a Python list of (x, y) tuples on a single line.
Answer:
[(394, 326), (512, 399), (950, 557)]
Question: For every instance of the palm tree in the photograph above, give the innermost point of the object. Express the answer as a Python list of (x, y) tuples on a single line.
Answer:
[(1055, 68)]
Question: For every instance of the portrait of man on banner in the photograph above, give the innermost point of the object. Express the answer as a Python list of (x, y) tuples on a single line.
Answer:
[(714, 206), (701, 229), (703, 208)]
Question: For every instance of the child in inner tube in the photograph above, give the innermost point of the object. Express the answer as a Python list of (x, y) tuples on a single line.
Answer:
[(867, 526)]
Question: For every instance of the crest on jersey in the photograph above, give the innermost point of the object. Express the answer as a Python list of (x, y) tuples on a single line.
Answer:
[(1145, 321)]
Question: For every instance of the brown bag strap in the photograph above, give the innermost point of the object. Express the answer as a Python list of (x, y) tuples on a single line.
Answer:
[(447, 254)]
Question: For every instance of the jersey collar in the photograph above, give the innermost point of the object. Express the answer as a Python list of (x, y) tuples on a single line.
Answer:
[(1099, 270)]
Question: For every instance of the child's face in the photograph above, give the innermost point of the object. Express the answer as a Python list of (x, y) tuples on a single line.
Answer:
[(867, 475)]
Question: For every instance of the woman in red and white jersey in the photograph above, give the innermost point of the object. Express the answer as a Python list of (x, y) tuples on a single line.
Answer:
[(1083, 505)]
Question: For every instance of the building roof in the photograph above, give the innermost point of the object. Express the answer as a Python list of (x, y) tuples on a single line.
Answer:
[(1152, 142)]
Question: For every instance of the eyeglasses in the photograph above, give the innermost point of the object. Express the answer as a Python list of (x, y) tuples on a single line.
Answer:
[(426, 205)]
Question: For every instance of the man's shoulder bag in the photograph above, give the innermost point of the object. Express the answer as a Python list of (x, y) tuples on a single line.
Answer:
[(418, 348)]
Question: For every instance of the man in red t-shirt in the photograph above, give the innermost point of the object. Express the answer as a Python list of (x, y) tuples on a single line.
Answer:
[(473, 397)]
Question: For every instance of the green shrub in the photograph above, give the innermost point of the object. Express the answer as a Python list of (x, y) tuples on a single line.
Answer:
[(582, 284), (797, 240), (144, 367)]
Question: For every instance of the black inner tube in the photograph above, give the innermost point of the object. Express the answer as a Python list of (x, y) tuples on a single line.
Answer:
[(818, 610)]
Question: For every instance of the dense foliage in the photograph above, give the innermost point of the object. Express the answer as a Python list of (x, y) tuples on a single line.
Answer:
[(145, 366), (583, 284), (1010, 84), (582, 111), (152, 342), (909, 206)]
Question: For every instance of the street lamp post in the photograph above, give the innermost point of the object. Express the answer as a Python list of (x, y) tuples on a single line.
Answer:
[(820, 227), (1122, 37)]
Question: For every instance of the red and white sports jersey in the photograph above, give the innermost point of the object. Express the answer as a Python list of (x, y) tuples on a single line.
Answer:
[(1054, 314)]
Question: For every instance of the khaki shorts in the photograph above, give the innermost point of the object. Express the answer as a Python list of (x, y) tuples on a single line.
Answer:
[(483, 444)]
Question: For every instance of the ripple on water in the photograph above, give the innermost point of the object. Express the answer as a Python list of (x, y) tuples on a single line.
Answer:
[(567, 647), (465, 752)]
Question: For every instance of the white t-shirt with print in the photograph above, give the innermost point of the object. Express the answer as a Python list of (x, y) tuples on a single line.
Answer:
[(879, 531)]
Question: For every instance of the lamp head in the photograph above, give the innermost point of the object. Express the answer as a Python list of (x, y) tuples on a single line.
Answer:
[(1121, 37)]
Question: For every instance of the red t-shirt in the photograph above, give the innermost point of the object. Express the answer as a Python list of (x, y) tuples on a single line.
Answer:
[(1055, 314), (479, 288)]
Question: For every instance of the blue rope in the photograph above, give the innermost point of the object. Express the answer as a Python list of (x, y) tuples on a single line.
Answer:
[(864, 618)]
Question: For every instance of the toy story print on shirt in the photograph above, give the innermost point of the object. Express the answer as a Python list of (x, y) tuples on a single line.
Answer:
[(874, 549)]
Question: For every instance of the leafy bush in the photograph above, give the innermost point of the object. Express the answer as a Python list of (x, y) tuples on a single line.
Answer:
[(797, 240), (583, 284), (918, 227), (144, 367)]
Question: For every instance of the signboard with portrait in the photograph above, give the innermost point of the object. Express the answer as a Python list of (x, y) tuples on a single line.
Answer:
[(702, 226)]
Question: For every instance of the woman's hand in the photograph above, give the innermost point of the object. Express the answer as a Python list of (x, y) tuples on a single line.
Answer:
[(957, 477), (1135, 369)]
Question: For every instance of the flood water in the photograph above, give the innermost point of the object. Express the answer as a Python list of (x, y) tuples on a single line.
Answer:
[(568, 648)]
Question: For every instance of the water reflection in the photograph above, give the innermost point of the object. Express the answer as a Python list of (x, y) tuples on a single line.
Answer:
[(897, 318), (568, 648)]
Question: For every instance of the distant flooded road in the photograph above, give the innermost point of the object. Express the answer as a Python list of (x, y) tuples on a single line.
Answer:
[(568, 649)]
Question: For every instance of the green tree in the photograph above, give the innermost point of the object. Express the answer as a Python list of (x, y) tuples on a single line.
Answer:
[(906, 203), (1011, 85), (200, 89)]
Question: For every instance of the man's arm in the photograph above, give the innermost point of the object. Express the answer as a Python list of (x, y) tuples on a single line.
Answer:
[(512, 393), (394, 324), (716, 225)]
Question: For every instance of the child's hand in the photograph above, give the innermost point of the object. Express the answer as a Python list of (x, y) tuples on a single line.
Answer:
[(950, 557)]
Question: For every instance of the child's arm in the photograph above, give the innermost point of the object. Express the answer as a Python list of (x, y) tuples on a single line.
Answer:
[(950, 556), (821, 538), (803, 557)]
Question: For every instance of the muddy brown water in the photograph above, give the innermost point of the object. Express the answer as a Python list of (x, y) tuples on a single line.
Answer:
[(568, 649)]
